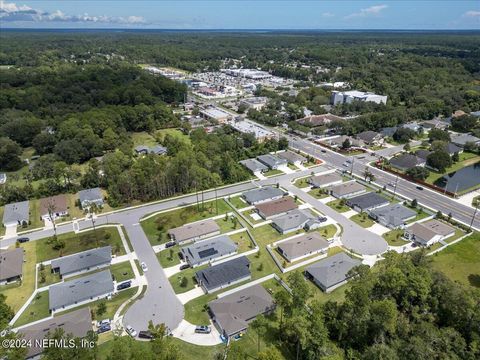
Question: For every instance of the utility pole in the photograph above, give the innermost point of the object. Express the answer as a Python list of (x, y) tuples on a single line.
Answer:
[(216, 201), (351, 168), (445, 190), (395, 187), (473, 217)]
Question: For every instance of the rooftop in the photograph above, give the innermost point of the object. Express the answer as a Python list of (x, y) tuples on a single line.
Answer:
[(303, 245), (16, 212), (462, 139), (262, 194), (332, 270), (90, 194), (210, 249), (271, 160), (394, 214), (83, 260), (367, 201), (291, 157), (55, 204), (254, 165), (248, 127), (406, 161), (291, 220), (322, 180), (11, 263), (224, 273), (193, 230), (278, 206), (347, 188), (367, 136)]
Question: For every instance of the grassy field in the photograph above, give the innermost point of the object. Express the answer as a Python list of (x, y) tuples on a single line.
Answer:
[(461, 261), (36, 310), (122, 271), (335, 205), (363, 220), (228, 224), (394, 238), (466, 159), (238, 202), (302, 182), (318, 193), (248, 214), (142, 138), (189, 282), (160, 134), (156, 227), (169, 257)]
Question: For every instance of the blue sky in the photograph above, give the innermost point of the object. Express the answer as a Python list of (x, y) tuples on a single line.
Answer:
[(242, 14)]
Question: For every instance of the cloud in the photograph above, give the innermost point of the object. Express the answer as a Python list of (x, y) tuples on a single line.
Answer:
[(472, 14), (11, 12), (372, 10), (328, 14)]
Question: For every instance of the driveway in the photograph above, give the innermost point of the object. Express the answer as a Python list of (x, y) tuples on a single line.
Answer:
[(186, 332)]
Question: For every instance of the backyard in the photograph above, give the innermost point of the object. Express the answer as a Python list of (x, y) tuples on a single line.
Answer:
[(238, 202), (36, 310)]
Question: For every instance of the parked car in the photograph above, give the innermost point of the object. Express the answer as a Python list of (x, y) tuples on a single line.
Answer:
[(144, 267), (131, 331), (145, 334), (184, 266), (103, 329), (124, 285), (322, 218), (170, 244), (202, 329), (103, 322), (23, 239)]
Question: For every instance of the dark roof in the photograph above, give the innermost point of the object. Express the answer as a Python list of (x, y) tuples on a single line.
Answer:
[(367, 136), (452, 148), (406, 161), (271, 160), (83, 260), (11, 263), (254, 165), (422, 153), (262, 194), (210, 249), (367, 201), (332, 270), (388, 131), (224, 273)]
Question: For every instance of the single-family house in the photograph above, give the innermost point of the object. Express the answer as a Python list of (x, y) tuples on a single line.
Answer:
[(224, 274), (292, 221), (272, 161), (292, 158), (156, 149), (16, 214), (331, 272), (423, 154), (194, 231), (434, 124), (405, 161), (371, 138), (347, 189), (254, 166), (270, 209), (11, 265), (88, 197), (82, 261), (87, 288), (368, 201), (208, 251), (429, 232), (338, 142), (53, 207), (302, 246), (451, 148), (415, 126), (462, 139), (388, 131), (321, 181), (232, 313), (266, 193), (392, 216)]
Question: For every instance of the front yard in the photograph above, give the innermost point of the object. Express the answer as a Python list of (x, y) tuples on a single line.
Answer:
[(394, 238), (338, 206), (318, 193), (363, 220), (302, 182)]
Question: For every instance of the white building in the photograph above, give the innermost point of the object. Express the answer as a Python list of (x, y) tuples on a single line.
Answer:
[(347, 97)]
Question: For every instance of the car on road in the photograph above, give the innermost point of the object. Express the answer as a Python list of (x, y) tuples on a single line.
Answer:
[(419, 188), (144, 267), (131, 331), (170, 244), (323, 151), (145, 334), (124, 285), (23, 239), (346, 164), (203, 329), (184, 266)]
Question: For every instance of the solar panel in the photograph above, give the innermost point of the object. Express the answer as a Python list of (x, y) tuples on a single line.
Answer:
[(206, 253)]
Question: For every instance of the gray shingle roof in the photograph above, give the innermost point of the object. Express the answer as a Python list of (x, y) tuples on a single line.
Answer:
[(452, 148), (83, 260), (291, 157), (254, 165), (272, 161), (262, 194), (392, 215), (367, 201), (324, 180), (367, 136), (291, 220), (77, 290), (11, 263), (222, 274), (347, 188), (194, 230), (302, 245), (232, 312), (207, 250), (77, 323), (462, 139), (90, 195), (406, 161), (332, 270), (16, 212)]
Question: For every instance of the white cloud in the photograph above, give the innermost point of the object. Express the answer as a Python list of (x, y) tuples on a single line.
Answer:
[(328, 14), (472, 14), (10, 12), (372, 10)]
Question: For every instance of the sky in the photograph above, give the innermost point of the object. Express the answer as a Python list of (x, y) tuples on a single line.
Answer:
[(242, 14)]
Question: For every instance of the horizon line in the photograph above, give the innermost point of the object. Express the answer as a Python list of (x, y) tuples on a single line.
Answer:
[(235, 29)]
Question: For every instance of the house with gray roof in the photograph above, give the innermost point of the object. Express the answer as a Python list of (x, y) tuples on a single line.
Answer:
[(272, 161), (406, 161), (83, 261), (208, 251), (16, 214), (302, 246), (87, 288), (331, 272), (292, 157), (321, 181), (77, 323), (422, 153), (88, 197), (292, 221), (451, 148), (156, 149), (415, 126), (388, 131), (347, 189), (225, 274), (368, 201), (462, 139), (232, 313), (392, 216), (11, 265), (371, 138), (429, 232), (194, 231), (266, 193), (254, 165)]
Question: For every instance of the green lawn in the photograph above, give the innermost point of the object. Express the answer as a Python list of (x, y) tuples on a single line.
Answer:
[(394, 238), (36, 310), (189, 282), (270, 173), (122, 271), (228, 224), (176, 133), (266, 234), (466, 159), (243, 241), (248, 214), (336, 205), (156, 227), (142, 138), (327, 231), (302, 182), (461, 261), (50, 278), (238, 202), (169, 257), (191, 351), (421, 214), (318, 193), (293, 167), (362, 220)]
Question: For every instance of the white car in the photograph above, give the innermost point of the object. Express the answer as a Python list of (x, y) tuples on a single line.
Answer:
[(103, 322), (144, 267), (131, 331)]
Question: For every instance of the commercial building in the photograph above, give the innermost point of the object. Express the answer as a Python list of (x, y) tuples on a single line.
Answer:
[(272, 161), (292, 158), (216, 114), (347, 189), (232, 313), (254, 166), (347, 97), (53, 207), (88, 197), (82, 261), (87, 288), (194, 231), (321, 181), (16, 214), (266, 193), (77, 323), (257, 103), (429, 232), (207, 251), (331, 272), (11, 265), (225, 274), (269, 209), (303, 246), (249, 127), (292, 221), (368, 201), (393, 216)]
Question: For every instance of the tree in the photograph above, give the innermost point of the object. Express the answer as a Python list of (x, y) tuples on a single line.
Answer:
[(259, 325), (270, 353), (455, 157), (283, 300), (464, 123), (101, 308), (10, 153), (470, 147), (418, 173), (346, 144), (414, 203), (404, 135), (437, 134), (300, 290), (407, 147), (6, 312), (439, 160), (283, 143)]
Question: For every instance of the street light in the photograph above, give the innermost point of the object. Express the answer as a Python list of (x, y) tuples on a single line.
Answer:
[(473, 216)]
